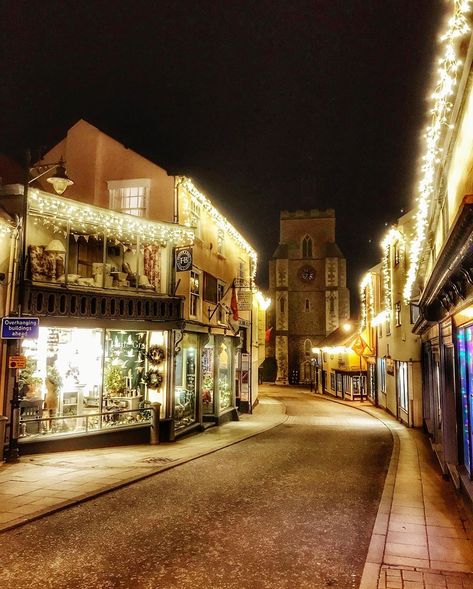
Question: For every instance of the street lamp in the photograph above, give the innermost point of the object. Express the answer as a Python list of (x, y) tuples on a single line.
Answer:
[(60, 181)]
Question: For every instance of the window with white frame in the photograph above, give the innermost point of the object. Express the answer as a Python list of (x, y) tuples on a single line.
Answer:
[(220, 242), (402, 388), (382, 374), (398, 314), (130, 196), (194, 294), (195, 216)]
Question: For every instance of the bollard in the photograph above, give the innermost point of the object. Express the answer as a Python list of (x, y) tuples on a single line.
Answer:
[(154, 431)]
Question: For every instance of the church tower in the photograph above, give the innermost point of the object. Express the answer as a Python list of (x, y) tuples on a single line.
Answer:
[(307, 280)]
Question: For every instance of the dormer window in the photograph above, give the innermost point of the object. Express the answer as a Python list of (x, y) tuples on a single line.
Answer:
[(307, 247), (130, 196)]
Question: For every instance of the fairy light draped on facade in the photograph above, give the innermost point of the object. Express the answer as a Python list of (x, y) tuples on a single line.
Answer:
[(221, 222), (449, 64), (125, 228)]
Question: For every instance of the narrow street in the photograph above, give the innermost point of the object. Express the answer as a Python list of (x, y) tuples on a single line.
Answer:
[(291, 508)]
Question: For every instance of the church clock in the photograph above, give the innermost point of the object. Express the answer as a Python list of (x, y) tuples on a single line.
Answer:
[(306, 273)]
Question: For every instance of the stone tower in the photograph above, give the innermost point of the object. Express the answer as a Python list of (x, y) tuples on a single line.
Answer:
[(307, 280)]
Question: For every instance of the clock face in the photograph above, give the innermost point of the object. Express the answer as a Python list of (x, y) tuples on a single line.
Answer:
[(307, 273)]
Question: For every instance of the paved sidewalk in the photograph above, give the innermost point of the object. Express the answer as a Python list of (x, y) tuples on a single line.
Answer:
[(44, 483), (422, 537)]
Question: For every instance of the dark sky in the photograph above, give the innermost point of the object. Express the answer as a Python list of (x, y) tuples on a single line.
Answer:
[(267, 105)]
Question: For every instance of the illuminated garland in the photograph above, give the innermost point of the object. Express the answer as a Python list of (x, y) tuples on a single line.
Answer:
[(123, 227), (442, 106), (219, 220), (392, 236), (365, 282)]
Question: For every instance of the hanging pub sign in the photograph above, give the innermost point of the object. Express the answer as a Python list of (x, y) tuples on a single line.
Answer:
[(183, 259)]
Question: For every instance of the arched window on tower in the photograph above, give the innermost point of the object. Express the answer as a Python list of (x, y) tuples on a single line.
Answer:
[(307, 247), (282, 304), (307, 305), (307, 348)]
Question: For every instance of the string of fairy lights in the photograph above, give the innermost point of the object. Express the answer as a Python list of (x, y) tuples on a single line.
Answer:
[(89, 220), (449, 64), (224, 227)]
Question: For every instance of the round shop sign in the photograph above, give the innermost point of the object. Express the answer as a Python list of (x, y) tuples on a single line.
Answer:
[(183, 259)]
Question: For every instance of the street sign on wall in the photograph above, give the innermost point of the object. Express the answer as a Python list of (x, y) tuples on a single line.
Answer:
[(20, 327), (245, 300)]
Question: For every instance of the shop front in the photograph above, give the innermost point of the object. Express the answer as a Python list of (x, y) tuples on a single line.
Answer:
[(81, 380), (205, 375)]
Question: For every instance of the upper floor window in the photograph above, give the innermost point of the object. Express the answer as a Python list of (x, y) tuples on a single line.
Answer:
[(397, 253), (130, 196), (221, 313), (307, 348), (194, 300), (307, 305), (220, 241), (307, 247), (398, 314), (242, 270), (195, 216)]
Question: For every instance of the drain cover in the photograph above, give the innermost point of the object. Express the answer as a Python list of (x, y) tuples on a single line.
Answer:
[(158, 460)]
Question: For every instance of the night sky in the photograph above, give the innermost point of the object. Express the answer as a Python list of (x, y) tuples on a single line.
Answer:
[(267, 105)]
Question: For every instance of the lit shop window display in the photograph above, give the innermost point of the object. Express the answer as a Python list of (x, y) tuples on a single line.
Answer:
[(83, 380), (185, 406), (208, 377), (225, 373)]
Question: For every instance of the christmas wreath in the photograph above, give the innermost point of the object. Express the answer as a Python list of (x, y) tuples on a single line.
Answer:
[(155, 355), (153, 379)]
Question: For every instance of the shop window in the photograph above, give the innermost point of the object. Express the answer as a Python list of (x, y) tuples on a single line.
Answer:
[(194, 298), (225, 374), (332, 381), (398, 314), (130, 196), (307, 247), (208, 376), (185, 398), (465, 365), (83, 380), (402, 386)]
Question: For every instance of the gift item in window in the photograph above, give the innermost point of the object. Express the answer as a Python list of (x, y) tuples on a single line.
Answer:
[(98, 274), (155, 355), (130, 275), (44, 265), (152, 266)]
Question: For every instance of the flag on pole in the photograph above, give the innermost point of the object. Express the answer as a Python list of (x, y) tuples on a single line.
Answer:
[(234, 304), (267, 335)]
